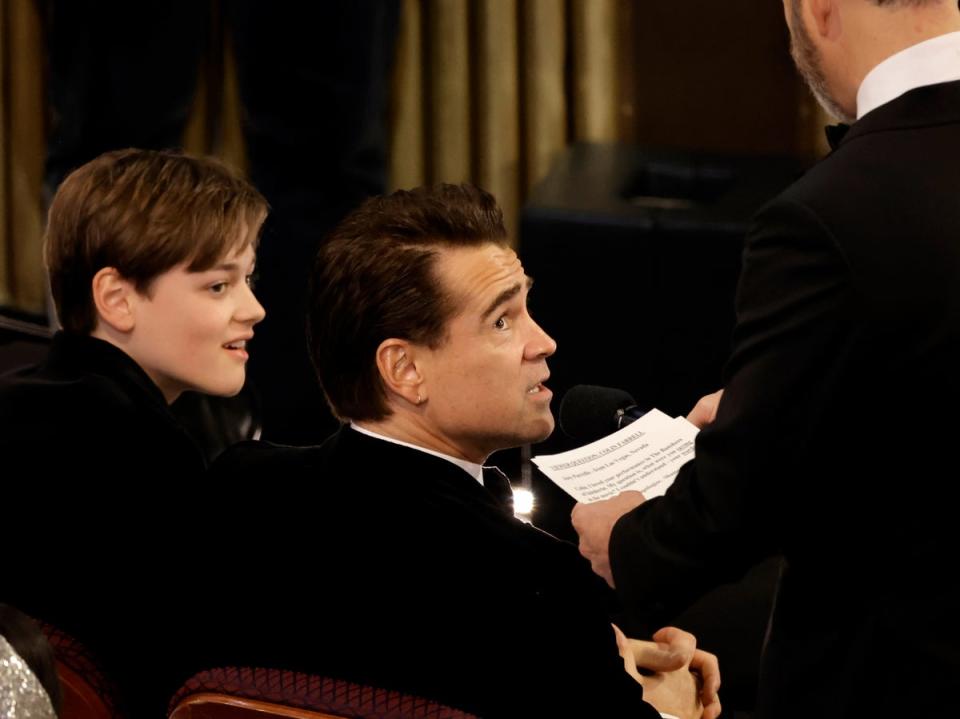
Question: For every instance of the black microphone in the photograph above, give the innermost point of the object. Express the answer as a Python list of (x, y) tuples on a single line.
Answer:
[(589, 412)]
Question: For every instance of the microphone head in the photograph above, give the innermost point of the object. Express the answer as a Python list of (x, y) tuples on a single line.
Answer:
[(589, 412)]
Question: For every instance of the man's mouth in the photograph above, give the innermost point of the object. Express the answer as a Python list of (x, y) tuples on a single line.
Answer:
[(539, 386)]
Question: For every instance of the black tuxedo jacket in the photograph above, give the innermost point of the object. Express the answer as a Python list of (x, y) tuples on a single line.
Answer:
[(409, 574), (834, 442), (96, 472)]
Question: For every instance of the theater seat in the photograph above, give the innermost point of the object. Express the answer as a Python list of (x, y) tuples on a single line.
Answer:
[(247, 693), (87, 694)]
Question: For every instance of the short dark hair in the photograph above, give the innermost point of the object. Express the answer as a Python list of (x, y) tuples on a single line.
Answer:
[(142, 212), (375, 279)]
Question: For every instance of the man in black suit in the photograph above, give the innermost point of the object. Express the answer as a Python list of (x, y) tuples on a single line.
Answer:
[(422, 341), (838, 418)]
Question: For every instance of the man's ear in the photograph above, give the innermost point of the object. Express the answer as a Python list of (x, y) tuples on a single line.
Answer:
[(114, 298), (825, 17), (401, 375)]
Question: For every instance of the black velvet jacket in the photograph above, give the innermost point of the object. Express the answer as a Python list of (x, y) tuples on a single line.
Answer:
[(399, 569)]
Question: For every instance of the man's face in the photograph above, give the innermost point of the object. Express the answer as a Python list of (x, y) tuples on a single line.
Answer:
[(483, 385), (191, 328), (809, 62)]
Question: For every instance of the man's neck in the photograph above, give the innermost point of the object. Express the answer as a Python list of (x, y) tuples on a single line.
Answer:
[(879, 33), (412, 430), (475, 470)]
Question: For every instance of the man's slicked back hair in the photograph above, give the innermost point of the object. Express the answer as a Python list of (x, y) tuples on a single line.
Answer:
[(375, 279)]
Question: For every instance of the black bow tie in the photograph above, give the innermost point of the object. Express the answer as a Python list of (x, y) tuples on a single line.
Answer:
[(498, 485), (835, 134)]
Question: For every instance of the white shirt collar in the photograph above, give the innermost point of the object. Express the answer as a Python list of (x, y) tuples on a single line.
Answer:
[(927, 63), (472, 468)]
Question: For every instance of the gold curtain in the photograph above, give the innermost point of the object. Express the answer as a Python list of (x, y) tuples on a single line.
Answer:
[(489, 91), (213, 128), (21, 156)]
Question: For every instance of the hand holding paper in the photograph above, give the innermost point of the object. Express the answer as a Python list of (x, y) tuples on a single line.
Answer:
[(644, 456), (616, 474), (705, 410), (594, 524)]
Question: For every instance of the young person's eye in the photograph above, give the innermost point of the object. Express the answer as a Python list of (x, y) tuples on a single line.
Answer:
[(218, 288), (501, 323), (251, 279)]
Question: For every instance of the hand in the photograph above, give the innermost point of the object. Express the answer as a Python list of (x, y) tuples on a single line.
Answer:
[(705, 410), (681, 669), (594, 523), (625, 647)]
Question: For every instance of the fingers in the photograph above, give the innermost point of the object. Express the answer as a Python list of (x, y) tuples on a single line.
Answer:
[(708, 667), (605, 511), (656, 657), (712, 710), (705, 410), (623, 646), (601, 567), (704, 664), (682, 644), (594, 523), (625, 501)]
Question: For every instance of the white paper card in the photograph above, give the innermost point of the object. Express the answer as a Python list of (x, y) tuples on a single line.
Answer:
[(644, 456)]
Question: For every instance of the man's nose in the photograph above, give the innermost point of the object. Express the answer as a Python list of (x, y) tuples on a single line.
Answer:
[(541, 344)]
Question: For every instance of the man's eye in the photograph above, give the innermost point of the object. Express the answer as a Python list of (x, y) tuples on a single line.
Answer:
[(501, 323)]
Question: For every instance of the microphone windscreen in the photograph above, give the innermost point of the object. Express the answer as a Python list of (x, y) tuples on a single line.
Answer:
[(589, 412)]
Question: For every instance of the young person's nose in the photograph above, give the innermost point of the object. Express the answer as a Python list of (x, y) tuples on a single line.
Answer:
[(250, 310)]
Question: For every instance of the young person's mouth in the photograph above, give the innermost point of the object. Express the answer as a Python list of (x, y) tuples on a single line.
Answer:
[(237, 348)]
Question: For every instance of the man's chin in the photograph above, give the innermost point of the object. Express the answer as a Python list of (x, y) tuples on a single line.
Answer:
[(542, 433), (531, 435)]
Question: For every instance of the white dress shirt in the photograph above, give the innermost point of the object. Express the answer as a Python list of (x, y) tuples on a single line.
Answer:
[(927, 63), (472, 468)]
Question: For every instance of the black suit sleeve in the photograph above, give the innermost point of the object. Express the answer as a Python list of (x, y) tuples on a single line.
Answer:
[(728, 506)]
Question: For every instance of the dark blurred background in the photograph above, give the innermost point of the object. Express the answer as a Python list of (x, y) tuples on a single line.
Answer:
[(629, 143)]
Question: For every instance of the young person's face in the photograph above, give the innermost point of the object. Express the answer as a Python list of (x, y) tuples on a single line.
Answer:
[(484, 383), (191, 328)]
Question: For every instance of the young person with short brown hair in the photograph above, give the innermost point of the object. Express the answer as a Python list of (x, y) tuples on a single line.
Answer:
[(149, 256)]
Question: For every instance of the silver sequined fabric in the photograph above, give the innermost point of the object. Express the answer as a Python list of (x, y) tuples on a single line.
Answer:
[(21, 694)]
